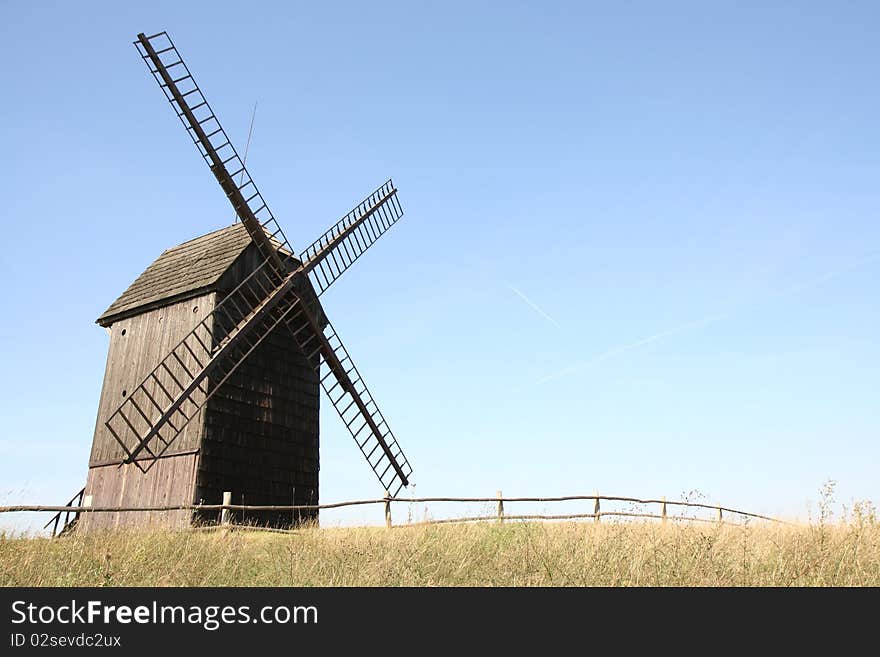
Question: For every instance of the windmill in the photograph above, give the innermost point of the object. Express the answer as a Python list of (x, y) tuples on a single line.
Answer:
[(275, 299)]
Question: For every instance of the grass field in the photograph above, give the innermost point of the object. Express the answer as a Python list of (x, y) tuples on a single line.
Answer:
[(841, 553)]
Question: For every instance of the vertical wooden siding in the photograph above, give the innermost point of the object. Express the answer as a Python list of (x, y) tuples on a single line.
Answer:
[(137, 344), (169, 482)]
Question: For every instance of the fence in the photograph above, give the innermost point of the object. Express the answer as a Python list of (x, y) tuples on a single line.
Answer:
[(226, 510)]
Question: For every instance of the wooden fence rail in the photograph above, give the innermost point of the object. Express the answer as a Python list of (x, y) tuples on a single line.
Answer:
[(227, 509), (571, 516)]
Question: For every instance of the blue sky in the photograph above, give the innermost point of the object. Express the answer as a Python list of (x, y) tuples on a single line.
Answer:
[(640, 252)]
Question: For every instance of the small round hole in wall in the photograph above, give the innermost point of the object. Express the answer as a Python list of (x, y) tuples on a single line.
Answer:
[(123, 331), (195, 309), (124, 393)]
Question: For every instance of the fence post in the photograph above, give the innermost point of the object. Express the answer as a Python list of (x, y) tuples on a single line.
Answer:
[(387, 509), (596, 507), (500, 507), (720, 517), (225, 515), (663, 509)]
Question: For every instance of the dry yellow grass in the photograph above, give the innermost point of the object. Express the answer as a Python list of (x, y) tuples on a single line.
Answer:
[(845, 553)]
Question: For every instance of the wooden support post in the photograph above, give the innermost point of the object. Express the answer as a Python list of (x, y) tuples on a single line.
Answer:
[(500, 507), (596, 507), (387, 509), (720, 517), (663, 510), (225, 515)]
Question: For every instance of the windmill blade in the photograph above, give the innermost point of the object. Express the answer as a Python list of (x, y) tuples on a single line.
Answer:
[(337, 249), (155, 413), (352, 399), (159, 408), (200, 121)]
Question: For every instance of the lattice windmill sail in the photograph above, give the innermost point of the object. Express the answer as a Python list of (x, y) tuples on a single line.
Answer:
[(278, 296)]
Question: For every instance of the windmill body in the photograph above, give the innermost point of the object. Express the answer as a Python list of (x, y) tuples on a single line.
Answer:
[(257, 436), (218, 349)]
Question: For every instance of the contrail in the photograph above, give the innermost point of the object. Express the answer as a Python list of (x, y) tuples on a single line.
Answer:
[(533, 306), (869, 258), (834, 273), (630, 346)]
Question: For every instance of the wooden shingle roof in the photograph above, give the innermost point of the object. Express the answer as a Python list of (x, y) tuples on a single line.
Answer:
[(187, 270)]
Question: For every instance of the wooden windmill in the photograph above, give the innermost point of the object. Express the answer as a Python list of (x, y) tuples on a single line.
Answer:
[(231, 401)]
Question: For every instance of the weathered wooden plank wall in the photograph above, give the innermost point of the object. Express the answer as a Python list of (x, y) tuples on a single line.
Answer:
[(169, 482), (137, 344)]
